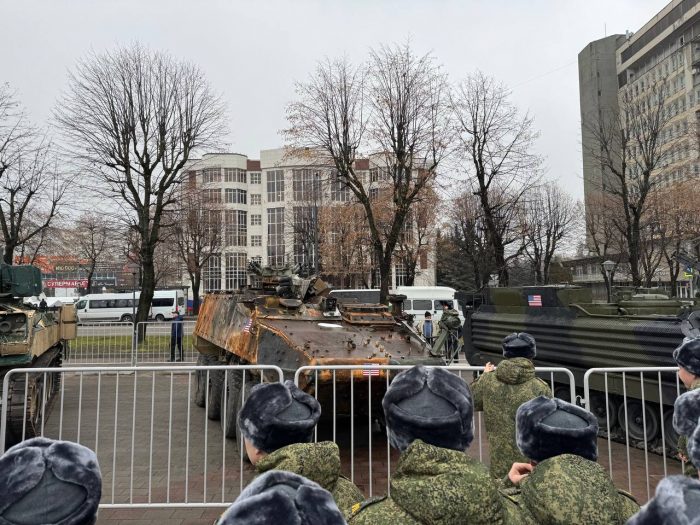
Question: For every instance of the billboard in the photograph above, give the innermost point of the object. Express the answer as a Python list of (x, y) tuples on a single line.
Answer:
[(65, 283)]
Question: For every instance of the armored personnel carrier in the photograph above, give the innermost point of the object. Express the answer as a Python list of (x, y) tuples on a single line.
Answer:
[(291, 322), (636, 330), (29, 337)]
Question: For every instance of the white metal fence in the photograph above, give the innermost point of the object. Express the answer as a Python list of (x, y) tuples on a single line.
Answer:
[(634, 407), (159, 346)]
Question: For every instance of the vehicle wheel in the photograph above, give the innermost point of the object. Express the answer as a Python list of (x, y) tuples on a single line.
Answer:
[(670, 434), (200, 389), (216, 379), (638, 415), (250, 383), (230, 392), (127, 318), (598, 408), (160, 318)]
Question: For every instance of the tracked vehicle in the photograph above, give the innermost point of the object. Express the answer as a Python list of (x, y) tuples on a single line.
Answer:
[(637, 330), (29, 337), (291, 322)]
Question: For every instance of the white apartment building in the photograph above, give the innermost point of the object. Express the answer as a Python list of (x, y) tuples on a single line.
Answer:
[(262, 202)]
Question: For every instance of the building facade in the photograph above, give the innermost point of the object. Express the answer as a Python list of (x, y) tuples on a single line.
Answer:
[(270, 212)]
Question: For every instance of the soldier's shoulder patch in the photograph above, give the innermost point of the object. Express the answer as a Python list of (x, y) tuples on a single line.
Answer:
[(359, 507)]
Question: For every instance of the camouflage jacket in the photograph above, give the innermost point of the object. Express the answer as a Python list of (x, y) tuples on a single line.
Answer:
[(570, 490), (690, 470), (320, 462), (433, 485), (499, 394)]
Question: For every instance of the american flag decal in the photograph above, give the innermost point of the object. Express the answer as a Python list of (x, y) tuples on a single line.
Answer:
[(534, 300), (248, 324), (370, 372)]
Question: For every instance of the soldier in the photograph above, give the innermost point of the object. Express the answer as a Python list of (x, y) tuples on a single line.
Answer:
[(429, 420), (686, 421), (47, 481), (277, 423), (563, 484), (499, 394), (280, 497), (448, 332), (687, 357), (677, 501)]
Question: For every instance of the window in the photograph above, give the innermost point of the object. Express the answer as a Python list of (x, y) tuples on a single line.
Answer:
[(305, 221), (236, 275), (378, 175), (256, 240), (255, 219), (81, 304), (340, 192), (235, 196), (210, 175), (255, 178), (422, 304), (275, 186), (255, 199), (401, 273), (275, 236), (162, 301), (213, 196), (236, 228), (306, 185), (212, 274), (234, 175), (373, 194)]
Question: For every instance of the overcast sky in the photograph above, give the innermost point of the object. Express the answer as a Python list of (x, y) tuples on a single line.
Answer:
[(252, 52)]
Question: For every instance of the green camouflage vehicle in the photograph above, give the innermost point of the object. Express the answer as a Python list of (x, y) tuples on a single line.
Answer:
[(29, 337), (638, 329)]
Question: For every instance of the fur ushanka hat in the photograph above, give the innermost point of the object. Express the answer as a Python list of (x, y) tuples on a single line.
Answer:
[(519, 345), (677, 502), (687, 355), (430, 404), (686, 421), (548, 427), (275, 415), (49, 482), (278, 497)]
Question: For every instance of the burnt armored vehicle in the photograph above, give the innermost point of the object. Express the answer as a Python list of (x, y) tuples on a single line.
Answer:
[(29, 337), (638, 329), (291, 322)]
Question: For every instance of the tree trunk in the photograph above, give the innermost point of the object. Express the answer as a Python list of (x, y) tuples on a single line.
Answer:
[(8, 257), (196, 281), (384, 278), (148, 284)]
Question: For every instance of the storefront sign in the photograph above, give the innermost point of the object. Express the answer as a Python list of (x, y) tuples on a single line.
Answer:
[(65, 283), (66, 267)]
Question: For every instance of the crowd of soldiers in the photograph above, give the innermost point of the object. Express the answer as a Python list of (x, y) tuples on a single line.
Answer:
[(543, 454)]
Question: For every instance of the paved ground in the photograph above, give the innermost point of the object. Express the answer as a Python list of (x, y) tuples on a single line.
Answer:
[(156, 446)]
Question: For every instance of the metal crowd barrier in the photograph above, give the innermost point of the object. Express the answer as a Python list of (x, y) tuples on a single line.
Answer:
[(156, 345), (634, 407), (101, 343), (155, 447), (352, 386)]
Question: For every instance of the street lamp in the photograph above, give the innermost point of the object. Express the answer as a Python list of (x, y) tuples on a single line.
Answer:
[(609, 266)]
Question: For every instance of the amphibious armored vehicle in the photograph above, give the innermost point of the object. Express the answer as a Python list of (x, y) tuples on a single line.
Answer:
[(637, 330), (29, 337), (291, 322)]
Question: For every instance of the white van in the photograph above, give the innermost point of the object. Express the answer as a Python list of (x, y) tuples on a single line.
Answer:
[(421, 299), (120, 306)]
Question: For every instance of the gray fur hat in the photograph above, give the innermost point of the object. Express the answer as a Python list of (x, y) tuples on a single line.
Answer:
[(285, 498), (686, 421), (430, 404), (275, 415), (677, 502), (519, 345), (547, 427), (49, 482), (687, 355)]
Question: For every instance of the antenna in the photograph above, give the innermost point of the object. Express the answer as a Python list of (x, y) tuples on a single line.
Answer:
[(605, 28)]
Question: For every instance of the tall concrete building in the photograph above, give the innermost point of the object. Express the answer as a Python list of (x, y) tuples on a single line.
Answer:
[(270, 213)]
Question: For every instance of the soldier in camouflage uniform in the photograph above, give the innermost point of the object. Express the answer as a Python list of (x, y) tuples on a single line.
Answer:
[(563, 484), (429, 420), (686, 421), (499, 394), (687, 357), (677, 501), (277, 423)]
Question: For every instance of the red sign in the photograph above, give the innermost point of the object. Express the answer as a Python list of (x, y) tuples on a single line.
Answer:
[(66, 283)]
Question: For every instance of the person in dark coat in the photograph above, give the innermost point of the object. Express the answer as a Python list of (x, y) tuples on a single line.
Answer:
[(176, 337)]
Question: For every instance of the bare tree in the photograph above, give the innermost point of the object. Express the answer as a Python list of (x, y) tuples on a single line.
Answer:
[(417, 236), (198, 236), (31, 187), (604, 237), (629, 147), (90, 236), (396, 107), (134, 117), (496, 145), (549, 217)]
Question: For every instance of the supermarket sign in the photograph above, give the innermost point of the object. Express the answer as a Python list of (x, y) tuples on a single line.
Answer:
[(66, 283)]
